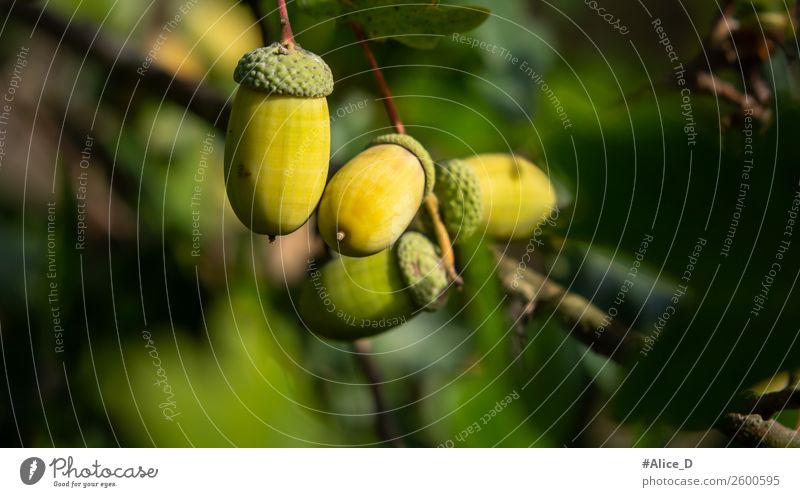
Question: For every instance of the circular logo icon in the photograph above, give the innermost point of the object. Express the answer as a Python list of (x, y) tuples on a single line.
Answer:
[(31, 470)]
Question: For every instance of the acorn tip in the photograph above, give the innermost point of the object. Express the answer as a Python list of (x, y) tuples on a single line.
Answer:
[(340, 235)]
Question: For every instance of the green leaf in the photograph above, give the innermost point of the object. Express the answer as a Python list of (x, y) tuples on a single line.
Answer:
[(416, 25), (419, 26)]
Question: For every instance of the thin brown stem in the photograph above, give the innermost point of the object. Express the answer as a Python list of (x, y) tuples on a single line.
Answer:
[(442, 239), (384, 423), (287, 38), (388, 101)]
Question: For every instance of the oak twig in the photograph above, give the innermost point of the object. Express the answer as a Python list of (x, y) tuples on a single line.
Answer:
[(708, 82), (383, 87), (752, 430), (584, 319)]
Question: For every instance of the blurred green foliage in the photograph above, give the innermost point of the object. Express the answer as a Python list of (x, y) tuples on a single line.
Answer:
[(241, 368)]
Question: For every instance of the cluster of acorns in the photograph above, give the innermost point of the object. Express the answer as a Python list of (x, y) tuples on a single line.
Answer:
[(276, 166)]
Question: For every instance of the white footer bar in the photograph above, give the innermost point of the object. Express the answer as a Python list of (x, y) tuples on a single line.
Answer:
[(387, 472)]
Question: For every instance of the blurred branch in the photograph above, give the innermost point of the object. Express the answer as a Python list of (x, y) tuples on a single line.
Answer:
[(752, 430), (384, 423), (706, 81), (722, 52), (520, 313), (127, 65), (529, 289), (616, 341), (260, 15)]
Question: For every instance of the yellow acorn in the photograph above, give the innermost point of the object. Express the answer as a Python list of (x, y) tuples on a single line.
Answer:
[(278, 141), (516, 195), (373, 198), (355, 297)]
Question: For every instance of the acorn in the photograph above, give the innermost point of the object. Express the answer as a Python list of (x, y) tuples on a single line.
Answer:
[(460, 201), (355, 297), (278, 141), (373, 198), (516, 196)]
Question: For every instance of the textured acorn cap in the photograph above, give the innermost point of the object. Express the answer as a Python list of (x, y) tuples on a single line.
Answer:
[(285, 71), (460, 200), (422, 270), (415, 148)]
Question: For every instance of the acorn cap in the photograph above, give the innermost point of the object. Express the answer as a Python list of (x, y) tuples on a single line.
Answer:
[(415, 148), (460, 200), (285, 70), (422, 270)]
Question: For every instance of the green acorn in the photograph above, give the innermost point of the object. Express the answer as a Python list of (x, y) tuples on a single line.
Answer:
[(355, 297), (278, 141), (372, 199), (460, 202)]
